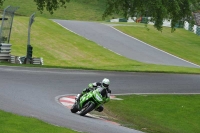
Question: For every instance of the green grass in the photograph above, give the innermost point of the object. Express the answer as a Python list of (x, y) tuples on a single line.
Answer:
[(181, 43), (11, 123), (62, 48), (157, 113), (90, 10)]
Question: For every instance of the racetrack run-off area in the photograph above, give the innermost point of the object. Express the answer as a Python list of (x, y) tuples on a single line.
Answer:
[(69, 100)]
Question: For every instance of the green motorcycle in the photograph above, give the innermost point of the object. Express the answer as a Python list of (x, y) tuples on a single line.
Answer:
[(89, 101)]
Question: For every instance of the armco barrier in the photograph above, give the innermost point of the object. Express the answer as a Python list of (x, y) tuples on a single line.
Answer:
[(5, 51)]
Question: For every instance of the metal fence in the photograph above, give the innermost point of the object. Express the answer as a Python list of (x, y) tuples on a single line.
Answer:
[(5, 32), (6, 25)]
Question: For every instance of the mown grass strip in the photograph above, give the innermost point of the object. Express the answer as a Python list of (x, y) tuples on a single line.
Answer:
[(11, 123), (90, 10), (157, 113), (181, 43)]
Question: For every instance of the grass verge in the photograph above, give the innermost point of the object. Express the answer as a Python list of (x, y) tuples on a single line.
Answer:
[(90, 10), (181, 43), (11, 123), (157, 113)]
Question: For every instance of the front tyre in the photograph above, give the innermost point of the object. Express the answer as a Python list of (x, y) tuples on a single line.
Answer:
[(87, 108), (74, 108)]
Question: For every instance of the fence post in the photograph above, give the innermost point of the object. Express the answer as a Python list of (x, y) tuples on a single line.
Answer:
[(29, 47)]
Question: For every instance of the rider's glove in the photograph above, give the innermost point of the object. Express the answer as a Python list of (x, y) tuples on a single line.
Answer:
[(85, 90), (90, 85)]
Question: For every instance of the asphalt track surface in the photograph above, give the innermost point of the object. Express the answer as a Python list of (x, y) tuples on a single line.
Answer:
[(122, 44), (35, 92)]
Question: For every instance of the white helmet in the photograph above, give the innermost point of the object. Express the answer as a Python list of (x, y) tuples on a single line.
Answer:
[(105, 82)]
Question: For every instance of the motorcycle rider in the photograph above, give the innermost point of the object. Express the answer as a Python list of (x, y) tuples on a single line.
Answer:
[(105, 92)]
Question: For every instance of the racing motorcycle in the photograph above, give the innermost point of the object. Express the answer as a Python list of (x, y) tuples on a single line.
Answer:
[(88, 102)]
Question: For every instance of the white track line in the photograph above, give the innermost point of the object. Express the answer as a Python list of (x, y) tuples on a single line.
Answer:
[(154, 47)]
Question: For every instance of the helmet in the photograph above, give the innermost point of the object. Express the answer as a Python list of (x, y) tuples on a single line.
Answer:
[(105, 82)]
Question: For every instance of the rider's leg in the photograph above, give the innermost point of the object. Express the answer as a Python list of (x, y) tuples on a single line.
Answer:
[(79, 97)]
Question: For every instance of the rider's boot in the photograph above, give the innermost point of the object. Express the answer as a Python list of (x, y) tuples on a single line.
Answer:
[(99, 109)]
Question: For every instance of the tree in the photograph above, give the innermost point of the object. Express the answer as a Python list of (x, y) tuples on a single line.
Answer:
[(51, 5), (1, 2), (158, 10)]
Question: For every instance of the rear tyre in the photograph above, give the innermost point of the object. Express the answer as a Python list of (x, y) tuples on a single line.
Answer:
[(88, 107)]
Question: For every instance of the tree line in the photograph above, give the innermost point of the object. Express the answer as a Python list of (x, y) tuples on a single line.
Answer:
[(158, 10)]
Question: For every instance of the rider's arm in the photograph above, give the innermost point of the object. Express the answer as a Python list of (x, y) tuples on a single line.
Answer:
[(85, 90), (91, 86), (94, 85)]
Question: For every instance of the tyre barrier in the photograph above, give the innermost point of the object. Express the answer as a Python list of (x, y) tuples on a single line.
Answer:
[(21, 60), (13, 59), (37, 61), (5, 51)]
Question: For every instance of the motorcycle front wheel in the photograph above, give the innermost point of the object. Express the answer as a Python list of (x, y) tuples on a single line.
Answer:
[(87, 108), (74, 108)]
